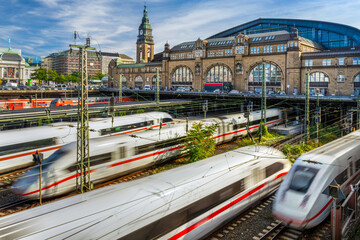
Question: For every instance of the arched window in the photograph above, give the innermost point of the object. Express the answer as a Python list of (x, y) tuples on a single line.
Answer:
[(272, 74), (154, 78), (219, 74), (138, 79), (318, 77), (182, 74), (357, 78)]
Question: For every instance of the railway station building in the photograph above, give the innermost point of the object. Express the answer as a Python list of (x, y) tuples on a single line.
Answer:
[(288, 49), (13, 67)]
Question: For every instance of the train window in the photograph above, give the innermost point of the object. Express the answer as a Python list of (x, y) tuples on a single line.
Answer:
[(239, 126), (181, 216), (100, 159), (342, 177), (27, 146), (122, 153), (158, 145), (125, 127), (302, 178), (58, 154), (72, 168), (144, 148), (357, 165), (255, 122), (273, 168), (166, 120), (272, 118)]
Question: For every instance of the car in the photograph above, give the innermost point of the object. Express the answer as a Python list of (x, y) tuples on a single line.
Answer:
[(217, 91), (234, 91), (136, 88), (270, 92), (180, 89), (147, 87), (281, 93)]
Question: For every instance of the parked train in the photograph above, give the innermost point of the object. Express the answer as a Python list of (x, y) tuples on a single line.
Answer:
[(13, 104), (61, 102), (301, 201), (187, 202), (18, 145), (118, 155)]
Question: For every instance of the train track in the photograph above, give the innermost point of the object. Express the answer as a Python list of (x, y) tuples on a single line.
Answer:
[(276, 230), (257, 223), (19, 204), (289, 140), (7, 179)]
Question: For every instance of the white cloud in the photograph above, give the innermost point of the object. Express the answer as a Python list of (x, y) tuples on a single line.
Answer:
[(113, 24)]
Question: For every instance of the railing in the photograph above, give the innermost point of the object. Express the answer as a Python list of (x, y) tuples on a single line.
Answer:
[(345, 217)]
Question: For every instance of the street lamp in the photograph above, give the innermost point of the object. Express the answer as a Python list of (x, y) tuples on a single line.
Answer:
[(120, 88)]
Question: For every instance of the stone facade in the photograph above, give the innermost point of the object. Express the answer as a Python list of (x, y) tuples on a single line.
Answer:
[(237, 62), (13, 67)]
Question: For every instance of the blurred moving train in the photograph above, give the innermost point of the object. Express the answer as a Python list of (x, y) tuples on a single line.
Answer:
[(301, 201), (18, 145), (187, 202), (118, 155), (61, 102), (13, 104)]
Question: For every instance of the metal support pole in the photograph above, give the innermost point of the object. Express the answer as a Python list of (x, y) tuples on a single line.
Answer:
[(341, 121), (157, 95), (40, 185), (306, 120), (120, 88), (205, 107), (318, 116), (83, 182), (263, 102), (358, 112)]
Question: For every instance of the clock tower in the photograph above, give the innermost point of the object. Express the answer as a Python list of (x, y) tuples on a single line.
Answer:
[(145, 42)]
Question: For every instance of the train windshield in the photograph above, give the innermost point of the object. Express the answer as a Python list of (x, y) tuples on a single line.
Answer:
[(54, 157), (302, 178)]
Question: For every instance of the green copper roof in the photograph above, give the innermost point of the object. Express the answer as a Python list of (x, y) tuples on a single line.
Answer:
[(145, 20)]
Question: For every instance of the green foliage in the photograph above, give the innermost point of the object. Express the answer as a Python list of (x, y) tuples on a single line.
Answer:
[(199, 143), (73, 77), (44, 74), (61, 79), (243, 142), (265, 131), (99, 75)]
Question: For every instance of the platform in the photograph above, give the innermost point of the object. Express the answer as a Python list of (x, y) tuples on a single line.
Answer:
[(289, 129)]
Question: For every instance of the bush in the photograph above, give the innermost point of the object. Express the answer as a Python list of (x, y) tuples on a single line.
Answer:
[(199, 142)]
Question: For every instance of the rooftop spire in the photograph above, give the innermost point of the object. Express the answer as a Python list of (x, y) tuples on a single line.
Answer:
[(145, 11)]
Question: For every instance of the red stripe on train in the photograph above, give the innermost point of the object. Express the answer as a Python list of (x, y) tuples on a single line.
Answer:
[(30, 153), (217, 212), (55, 183)]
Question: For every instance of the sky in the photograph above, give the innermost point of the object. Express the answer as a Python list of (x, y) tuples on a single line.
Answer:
[(41, 27)]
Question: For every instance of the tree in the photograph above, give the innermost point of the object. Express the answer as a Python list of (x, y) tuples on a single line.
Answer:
[(61, 79), (73, 77), (39, 74), (99, 75), (199, 141), (44, 74)]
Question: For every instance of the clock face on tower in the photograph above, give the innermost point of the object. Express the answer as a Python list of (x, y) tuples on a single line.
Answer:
[(141, 32)]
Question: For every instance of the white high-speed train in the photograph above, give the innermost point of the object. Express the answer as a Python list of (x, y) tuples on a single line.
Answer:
[(118, 155), (187, 202), (301, 201), (17, 146)]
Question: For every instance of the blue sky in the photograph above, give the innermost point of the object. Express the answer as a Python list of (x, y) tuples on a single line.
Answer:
[(40, 27)]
